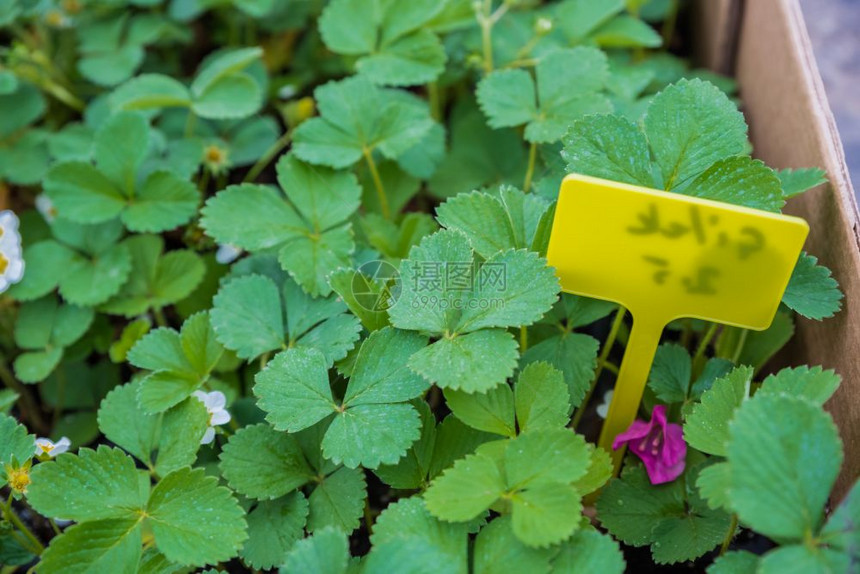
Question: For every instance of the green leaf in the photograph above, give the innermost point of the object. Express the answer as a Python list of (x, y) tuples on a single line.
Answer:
[(813, 384), (714, 484), (235, 95), (294, 390), (684, 538), (546, 457), (690, 125), (796, 181), (95, 485), (802, 558), (589, 551), (358, 116), (35, 366), (263, 463), (841, 529), (194, 520), (811, 291), (546, 514), (163, 202), (92, 281), (707, 425), (466, 489), (338, 501), (491, 411), (474, 362), (785, 454), (367, 297), (579, 18), (82, 193), (157, 279), (100, 546), (392, 48), (599, 471), (567, 88), (324, 197), (499, 551), (412, 469), (43, 259), (408, 521), (127, 425), (541, 397), (273, 528), (380, 374), (223, 65), (247, 316), (148, 91), (326, 552), (738, 562), (574, 354), (610, 147), (741, 181), (760, 346), (493, 223), (371, 434), (670, 373)]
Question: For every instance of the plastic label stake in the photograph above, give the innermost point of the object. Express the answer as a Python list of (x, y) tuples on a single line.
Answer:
[(664, 256)]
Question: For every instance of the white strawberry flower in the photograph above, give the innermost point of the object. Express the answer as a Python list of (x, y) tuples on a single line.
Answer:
[(603, 408), (218, 415), (48, 447), (11, 260), (46, 207), (227, 253)]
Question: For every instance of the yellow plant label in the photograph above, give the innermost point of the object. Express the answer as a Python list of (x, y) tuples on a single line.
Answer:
[(664, 256)]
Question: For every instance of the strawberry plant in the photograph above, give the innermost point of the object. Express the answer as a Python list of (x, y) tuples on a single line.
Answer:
[(275, 298)]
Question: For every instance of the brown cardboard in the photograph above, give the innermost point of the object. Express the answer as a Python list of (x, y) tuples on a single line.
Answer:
[(791, 126)]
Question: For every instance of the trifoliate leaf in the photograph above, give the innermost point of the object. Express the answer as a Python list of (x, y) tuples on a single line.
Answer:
[(392, 46), (811, 291), (541, 398), (263, 463), (326, 552), (310, 230), (574, 354), (129, 426), (95, 485), (494, 223), (499, 551), (466, 489), (195, 521), (784, 454), (474, 362), (294, 390), (356, 119), (105, 545), (492, 411), (157, 279), (589, 551), (707, 425), (741, 181), (609, 147), (670, 373), (88, 194), (813, 384), (690, 125), (273, 528), (567, 87), (181, 362), (338, 501), (796, 181)]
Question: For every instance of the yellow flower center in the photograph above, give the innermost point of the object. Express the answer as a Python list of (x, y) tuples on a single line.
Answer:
[(54, 18), (214, 155), (19, 479), (4, 263), (47, 448)]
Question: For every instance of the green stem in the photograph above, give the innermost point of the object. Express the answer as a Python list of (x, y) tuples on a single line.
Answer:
[(203, 182), (730, 534), (190, 122), (703, 344), (13, 518), (159, 317), (484, 19), (530, 171), (61, 395), (435, 103), (377, 182), (742, 339), (267, 157), (28, 407), (368, 517), (668, 30), (524, 339), (601, 363), (611, 367)]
